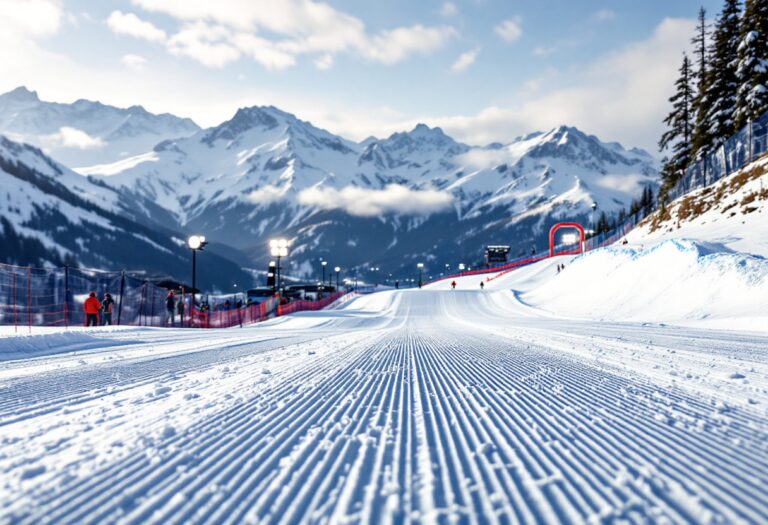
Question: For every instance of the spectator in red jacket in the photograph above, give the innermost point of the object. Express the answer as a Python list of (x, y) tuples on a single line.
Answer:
[(91, 308)]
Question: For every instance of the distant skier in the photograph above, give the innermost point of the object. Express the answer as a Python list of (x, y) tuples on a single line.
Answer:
[(180, 311), (170, 308), (453, 285), (106, 309), (482, 285), (91, 307)]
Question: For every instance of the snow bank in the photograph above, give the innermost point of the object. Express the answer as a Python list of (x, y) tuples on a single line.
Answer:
[(672, 281), (18, 343)]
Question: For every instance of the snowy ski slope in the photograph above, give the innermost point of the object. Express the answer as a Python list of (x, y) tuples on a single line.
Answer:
[(418, 406)]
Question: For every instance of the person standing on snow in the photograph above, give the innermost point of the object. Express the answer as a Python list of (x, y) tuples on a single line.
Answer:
[(482, 285), (91, 307), (170, 308), (239, 308), (106, 308), (180, 310), (453, 285)]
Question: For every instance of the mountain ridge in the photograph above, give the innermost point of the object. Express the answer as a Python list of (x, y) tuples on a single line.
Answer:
[(86, 132), (266, 172)]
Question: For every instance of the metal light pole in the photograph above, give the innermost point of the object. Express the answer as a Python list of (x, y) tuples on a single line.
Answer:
[(337, 270), (278, 248), (271, 276), (594, 207), (420, 266), (323, 264), (195, 243)]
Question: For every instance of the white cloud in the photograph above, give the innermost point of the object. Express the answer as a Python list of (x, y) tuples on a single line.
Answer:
[(449, 9), (68, 137), (622, 96), (542, 51), (266, 195), (510, 30), (263, 51), (31, 18), (205, 43), (130, 24), (324, 62), (604, 15), (394, 45), (135, 62), (465, 60), (294, 27), (363, 202)]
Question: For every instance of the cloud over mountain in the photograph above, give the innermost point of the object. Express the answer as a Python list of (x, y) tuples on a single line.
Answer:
[(365, 202)]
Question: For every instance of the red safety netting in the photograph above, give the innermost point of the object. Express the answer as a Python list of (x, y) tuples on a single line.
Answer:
[(56, 297)]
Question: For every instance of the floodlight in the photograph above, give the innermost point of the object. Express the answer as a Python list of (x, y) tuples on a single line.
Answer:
[(195, 241)]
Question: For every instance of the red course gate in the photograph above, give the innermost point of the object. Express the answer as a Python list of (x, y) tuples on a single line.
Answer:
[(560, 225)]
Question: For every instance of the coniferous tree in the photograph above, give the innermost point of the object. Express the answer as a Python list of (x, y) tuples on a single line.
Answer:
[(723, 82), (700, 136), (752, 70), (680, 126), (603, 225), (647, 201)]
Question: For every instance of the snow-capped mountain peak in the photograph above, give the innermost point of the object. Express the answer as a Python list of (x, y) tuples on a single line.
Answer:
[(86, 132), (20, 94)]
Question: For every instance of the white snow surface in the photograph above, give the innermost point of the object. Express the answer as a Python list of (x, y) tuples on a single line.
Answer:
[(416, 406)]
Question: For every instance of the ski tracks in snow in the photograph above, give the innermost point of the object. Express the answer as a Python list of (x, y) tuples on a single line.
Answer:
[(432, 422)]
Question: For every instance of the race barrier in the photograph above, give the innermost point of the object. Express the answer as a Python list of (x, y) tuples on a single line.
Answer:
[(54, 297)]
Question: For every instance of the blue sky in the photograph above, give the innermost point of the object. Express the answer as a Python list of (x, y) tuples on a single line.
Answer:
[(484, 70)]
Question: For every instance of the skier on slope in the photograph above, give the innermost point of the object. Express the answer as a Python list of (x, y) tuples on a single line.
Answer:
[(482, 285), (106, 309), (453, 285), (91, 307), (170, 308)]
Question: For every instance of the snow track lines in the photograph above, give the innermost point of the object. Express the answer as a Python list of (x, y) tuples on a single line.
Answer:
[(429, 420)]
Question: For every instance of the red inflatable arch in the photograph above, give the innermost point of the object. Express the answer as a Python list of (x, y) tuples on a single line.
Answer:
[(559, 225)]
